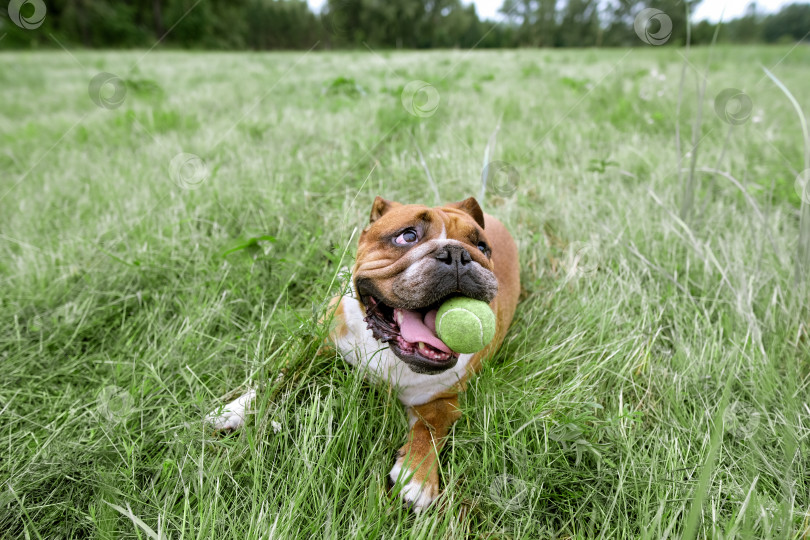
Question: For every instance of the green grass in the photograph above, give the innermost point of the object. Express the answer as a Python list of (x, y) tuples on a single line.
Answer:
[(655, 381)]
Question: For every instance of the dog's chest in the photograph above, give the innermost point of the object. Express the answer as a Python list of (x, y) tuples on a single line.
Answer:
[(359, 348)]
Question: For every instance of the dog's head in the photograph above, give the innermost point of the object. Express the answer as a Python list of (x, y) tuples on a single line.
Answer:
[(410, 258)]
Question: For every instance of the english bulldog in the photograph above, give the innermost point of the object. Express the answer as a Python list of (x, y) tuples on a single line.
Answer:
[(410, 258)]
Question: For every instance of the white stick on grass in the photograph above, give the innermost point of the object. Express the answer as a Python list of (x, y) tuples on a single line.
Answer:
[(436, 196), (803, 252), (489, 151)]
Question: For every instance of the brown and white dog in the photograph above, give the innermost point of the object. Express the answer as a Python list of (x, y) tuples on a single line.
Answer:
[(409, 259)]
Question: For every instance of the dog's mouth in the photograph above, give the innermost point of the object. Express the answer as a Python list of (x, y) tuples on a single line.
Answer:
[(411, 335)]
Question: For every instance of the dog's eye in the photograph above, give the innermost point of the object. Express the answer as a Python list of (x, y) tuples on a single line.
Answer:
[(408, 236), (483, 248)]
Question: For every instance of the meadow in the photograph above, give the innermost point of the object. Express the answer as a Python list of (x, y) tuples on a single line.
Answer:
[(172, 223)]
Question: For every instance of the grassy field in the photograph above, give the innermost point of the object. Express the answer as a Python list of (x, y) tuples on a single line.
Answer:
[(173, 234)]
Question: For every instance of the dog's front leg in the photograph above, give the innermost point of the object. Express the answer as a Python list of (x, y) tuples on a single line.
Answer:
[(232, 416), (417, 463)]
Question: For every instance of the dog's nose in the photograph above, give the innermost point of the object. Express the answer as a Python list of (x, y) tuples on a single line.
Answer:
[(453, 255)]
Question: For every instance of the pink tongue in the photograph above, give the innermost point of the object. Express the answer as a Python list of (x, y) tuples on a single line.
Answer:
[(413, 328)]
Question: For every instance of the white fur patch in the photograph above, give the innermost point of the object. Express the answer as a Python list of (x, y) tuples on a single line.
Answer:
[(233, 415), (360, 349), (420, 496)]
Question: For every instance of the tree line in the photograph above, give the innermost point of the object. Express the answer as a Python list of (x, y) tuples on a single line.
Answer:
[(416, 24)]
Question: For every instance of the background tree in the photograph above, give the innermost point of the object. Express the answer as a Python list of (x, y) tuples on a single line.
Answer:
[(290, 24), (579, 26), (791, 23)]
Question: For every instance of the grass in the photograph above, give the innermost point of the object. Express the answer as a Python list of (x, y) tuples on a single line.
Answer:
[(655, 381)]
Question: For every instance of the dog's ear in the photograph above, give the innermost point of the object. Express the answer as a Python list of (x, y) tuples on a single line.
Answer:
[(380, 207), (471, 207)]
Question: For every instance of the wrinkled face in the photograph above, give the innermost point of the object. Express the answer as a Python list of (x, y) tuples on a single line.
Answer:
[(409, 260)]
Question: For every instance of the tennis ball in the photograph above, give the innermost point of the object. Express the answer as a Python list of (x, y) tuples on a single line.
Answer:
[(465, 325)]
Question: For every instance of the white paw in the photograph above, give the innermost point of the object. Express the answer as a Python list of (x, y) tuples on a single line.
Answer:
[(417, 495), (233, 415)]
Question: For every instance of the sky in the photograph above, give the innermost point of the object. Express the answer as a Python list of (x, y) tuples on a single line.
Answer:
[(708, 9)]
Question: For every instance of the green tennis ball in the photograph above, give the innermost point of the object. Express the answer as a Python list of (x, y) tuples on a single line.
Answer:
[(465, 325)]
